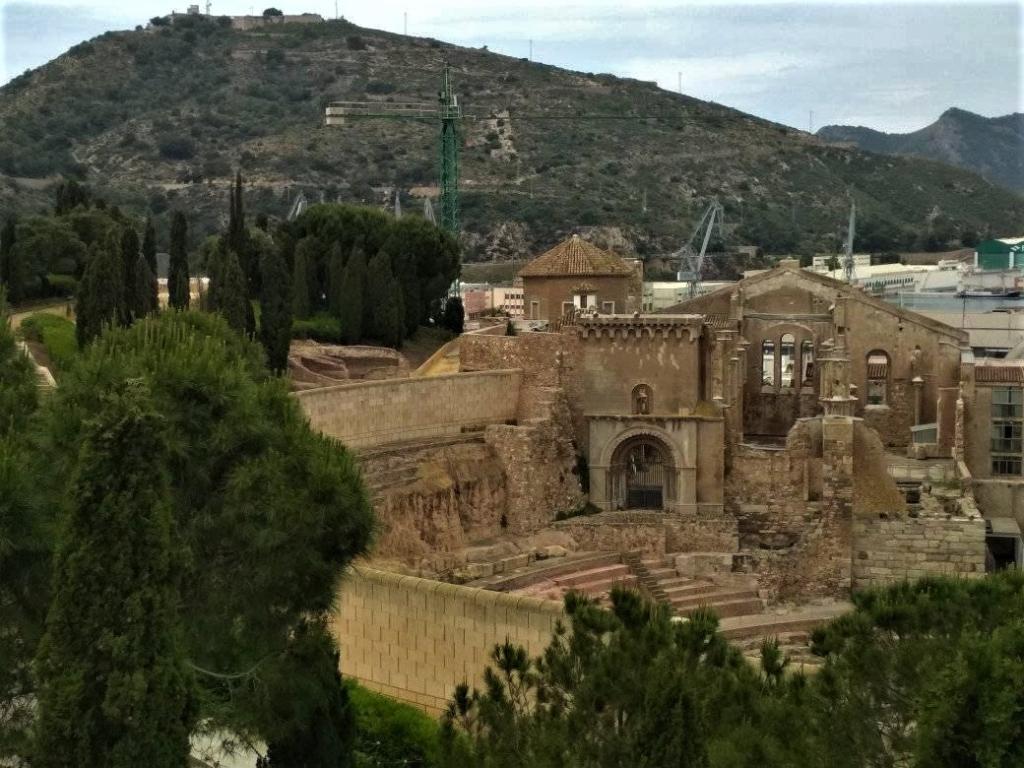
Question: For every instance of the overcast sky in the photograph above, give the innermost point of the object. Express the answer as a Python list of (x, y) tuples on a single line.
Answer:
[(892, 66)]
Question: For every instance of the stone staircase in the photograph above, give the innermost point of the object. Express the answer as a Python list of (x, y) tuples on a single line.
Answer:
[(597, 581), (658, 577)]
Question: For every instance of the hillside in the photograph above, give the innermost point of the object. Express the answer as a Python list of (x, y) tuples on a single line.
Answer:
[(159, 118), (990, 146)]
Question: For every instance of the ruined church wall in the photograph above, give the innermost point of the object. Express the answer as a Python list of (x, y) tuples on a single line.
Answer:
[(891, 549), (380, 412), (415, 639)]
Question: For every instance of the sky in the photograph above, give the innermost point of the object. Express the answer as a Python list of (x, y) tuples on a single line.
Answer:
[(893, 66)]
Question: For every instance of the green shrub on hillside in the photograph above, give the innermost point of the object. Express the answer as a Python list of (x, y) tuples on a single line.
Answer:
[(392, 734)]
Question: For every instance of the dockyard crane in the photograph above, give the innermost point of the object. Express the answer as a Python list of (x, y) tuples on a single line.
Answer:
[(447, 114), (848, 252), (691, 267)]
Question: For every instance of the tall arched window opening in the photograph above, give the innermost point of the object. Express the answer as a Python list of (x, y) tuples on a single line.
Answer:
[(768, 362), (878, 378), (787, 360), (807, 363)]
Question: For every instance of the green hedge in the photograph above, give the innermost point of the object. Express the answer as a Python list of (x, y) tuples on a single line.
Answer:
[(56, 334), (392, 734), (319, 327)]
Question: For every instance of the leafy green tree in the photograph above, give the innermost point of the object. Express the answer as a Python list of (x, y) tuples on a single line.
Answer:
[(335, 281), (381, 296), (228, 288), (301, 300), (114, 687), (275, 309), (18, 397), (454, 317), (70, 195), (178, 282), (353, 288), (45, 244), (260, 502), (101, 299)]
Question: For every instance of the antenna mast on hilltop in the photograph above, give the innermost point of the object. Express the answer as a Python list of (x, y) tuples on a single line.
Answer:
[(848, 256)]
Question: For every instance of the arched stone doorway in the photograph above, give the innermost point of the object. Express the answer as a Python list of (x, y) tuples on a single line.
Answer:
[(641, 475)]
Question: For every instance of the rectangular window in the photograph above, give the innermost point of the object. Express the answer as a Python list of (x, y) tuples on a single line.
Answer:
[(1007, 444), (608, 307)]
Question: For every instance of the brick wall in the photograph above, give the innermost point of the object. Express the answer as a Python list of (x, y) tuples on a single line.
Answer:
[(896, 548), (380, 412), (415, 639)]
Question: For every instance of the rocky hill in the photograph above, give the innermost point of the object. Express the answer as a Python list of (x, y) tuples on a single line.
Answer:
[(990, 146), (158, 118)]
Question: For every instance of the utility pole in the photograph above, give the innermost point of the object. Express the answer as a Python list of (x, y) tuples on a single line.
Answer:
[(531, 50), (810, 122), (405, 22), (679, 86)]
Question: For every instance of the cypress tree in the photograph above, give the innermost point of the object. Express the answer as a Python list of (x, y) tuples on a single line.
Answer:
[(381, 290), (335, 280), (238, 237), (114, 687), (149, 245), (353, 287), (11, 276), (129, 259), (262, 222), (227, 288), (145, 292), (177, 270), (275, 309), (301, 304), (101, 292), (453, 317)]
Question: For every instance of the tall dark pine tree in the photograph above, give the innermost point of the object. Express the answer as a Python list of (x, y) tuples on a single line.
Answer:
[(145, 292), (149, 254), (301, 300), (101, 297), (227, 288), (129, 259), (114, 686), (335, 280), (386, 324), (275, 309), (177, 270), (353, 287), (238, 237), (11, 277)]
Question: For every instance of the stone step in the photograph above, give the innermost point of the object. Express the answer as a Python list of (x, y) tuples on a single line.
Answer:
[(714, 598), (593, 574), (770, 625), (729, 608), (662, 573), (689, 587), (603, 586)]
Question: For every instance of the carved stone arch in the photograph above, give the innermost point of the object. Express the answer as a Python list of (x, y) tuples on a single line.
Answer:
[(644, 430)]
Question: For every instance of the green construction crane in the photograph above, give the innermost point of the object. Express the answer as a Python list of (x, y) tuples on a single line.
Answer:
[(447, 112)]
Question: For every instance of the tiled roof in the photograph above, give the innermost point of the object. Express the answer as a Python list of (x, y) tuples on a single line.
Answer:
[(576, 256), (1001, 372)]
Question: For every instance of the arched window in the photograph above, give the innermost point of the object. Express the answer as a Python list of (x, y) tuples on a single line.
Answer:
[(878, 378), (787, 360), (807, 363), (768, 362), (642, 400)]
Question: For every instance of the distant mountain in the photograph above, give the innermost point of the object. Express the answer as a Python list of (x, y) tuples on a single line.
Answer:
[(990, 146), (158, 119)]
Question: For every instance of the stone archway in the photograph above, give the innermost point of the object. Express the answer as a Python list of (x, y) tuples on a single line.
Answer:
[(642, 474)]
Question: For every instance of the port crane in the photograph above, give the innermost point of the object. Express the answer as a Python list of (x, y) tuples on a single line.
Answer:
[(691, 266)]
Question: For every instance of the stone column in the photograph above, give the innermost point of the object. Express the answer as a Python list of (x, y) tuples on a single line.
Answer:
[(918, 383)]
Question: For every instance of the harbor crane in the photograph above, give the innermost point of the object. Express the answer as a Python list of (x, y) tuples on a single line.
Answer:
[(447, 114), (691, 266), (848, 251)]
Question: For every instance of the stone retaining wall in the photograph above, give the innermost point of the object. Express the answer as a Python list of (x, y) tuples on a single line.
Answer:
[(398, 410), (415, 639), (887, 550)]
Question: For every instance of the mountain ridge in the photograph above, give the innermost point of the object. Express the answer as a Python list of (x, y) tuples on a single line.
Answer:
[(991, 146), (160, 118)]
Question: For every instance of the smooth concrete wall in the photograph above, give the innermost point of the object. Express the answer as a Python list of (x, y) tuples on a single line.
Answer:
[(372, 413), (414, 639)]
